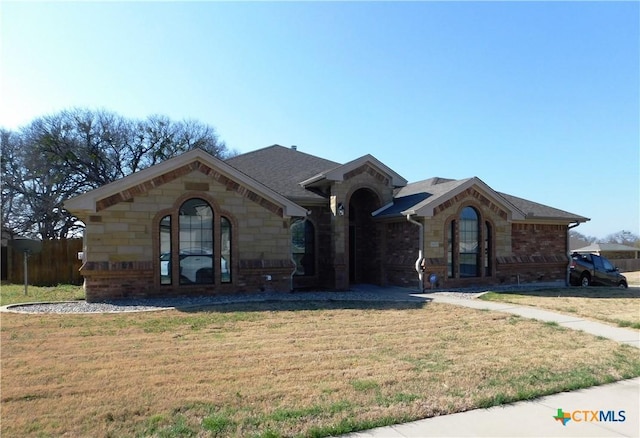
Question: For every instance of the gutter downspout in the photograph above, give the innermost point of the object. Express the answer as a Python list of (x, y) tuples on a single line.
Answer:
[(420, 259), (567, 279)]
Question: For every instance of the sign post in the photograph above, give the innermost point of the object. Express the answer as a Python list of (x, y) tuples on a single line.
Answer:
[(28, 247)]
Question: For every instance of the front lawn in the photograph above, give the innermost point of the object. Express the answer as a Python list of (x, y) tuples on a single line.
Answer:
[(14, 293), (616, 306), (307, 369)]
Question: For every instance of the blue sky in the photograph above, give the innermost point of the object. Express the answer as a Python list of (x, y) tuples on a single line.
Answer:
[(538, 99)]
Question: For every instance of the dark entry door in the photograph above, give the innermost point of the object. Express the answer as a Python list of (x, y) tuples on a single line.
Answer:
[(364, 257)]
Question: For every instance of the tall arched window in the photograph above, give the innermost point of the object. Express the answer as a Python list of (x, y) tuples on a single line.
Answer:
[(469, 248), (225, 250), (451, 237), (165, 251), (488, 250), (196, 242), (303, 247)]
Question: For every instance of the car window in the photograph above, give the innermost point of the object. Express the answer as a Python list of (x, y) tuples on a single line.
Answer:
[(608, 266), (597, 262)]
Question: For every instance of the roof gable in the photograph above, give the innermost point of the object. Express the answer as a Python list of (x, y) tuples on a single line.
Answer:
[(345, 171), (434, 195), (194, 160)]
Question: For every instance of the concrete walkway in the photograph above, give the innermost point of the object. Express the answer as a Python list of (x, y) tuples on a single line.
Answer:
[(534, 418), (619, 402), (618, 334)]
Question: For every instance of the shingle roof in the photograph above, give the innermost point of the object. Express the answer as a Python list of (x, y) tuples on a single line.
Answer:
[(434, 190), (534, 210), (414, 195), (597, 247), (282, 169)]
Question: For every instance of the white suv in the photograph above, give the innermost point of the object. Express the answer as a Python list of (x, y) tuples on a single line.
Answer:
[(196, 265)]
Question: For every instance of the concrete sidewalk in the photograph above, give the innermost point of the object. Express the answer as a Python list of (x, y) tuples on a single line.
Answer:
[(619, 402), (618, 334), (535, 418)]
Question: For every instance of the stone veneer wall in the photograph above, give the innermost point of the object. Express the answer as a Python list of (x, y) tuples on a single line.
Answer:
[(120, 260), (539, 254), (320, 217), (436, 228), (524, 252), (363, 177)]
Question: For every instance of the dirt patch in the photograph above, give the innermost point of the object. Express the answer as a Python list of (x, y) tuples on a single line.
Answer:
[(633, 278)]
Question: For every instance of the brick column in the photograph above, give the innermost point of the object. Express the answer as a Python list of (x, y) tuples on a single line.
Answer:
[(339, 243)]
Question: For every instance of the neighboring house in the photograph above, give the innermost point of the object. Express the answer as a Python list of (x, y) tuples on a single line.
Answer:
[(280, 219), (576, 242), (610, 250)]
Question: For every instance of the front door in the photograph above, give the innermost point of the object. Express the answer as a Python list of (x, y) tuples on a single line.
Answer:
[(364, 257)]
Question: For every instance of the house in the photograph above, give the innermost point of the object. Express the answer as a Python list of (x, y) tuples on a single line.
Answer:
[(610, 250), (280, 219)]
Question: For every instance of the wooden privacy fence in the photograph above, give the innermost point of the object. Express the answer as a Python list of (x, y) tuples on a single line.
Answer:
[(57, 263), (627, 265)]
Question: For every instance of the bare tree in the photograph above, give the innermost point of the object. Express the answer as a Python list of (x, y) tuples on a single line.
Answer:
[(581, 237), (623, 237), (62, 155)]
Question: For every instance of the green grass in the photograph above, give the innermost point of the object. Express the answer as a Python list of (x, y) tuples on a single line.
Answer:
[(14, 293)]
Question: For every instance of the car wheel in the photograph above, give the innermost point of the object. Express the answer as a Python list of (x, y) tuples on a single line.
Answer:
[(585, 280), (623, 285)]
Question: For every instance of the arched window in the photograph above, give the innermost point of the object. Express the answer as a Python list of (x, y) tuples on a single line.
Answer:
[(488, 249), (225, 250), (469, 248), (451, 237), (303, 247), (195, 245), (466, 252), (196, 242), (165, 251)]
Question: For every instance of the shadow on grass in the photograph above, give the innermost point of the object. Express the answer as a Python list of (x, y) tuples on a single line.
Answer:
[(297, 305), (577, 292)]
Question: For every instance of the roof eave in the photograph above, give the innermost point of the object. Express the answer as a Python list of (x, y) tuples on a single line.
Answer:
[(533, 218), (86, 202), (313, 180), (427, 209), (337, 173)]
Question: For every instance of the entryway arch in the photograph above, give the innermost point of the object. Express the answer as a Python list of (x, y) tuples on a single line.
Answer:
[(364, 247)]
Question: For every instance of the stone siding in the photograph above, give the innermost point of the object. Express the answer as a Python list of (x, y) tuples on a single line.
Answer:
[(522, 252), (436, 236), (363, 177), (321, 219), (121, 254)]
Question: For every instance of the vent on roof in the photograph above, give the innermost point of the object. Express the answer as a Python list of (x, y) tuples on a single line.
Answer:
[(294, 147)]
